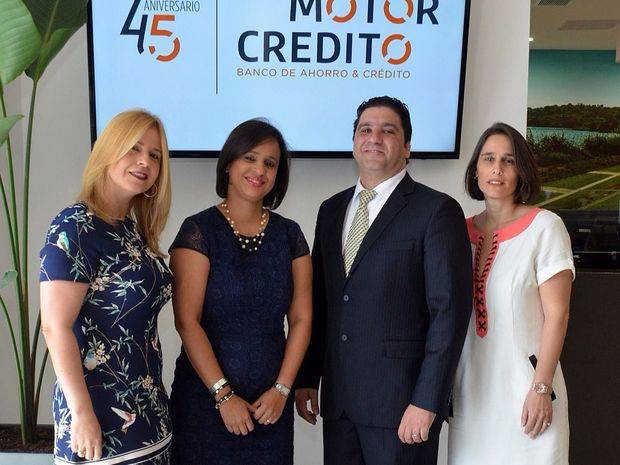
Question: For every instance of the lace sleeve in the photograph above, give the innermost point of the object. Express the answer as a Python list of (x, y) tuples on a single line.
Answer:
[(297, 241), (190, 236)]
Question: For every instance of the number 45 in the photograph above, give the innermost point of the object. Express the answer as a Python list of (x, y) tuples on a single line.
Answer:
[(155, 31)]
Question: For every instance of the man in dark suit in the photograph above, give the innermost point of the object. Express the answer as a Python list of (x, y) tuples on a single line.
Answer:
[(392, 301)]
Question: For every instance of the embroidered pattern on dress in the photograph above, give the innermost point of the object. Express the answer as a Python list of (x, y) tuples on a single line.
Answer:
[(480, 284)]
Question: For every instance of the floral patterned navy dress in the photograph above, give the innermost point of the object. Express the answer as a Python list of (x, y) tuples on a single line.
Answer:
[(247, 297), (116, 331)]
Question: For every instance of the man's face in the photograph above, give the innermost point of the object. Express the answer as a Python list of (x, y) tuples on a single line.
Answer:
[(379, 143)]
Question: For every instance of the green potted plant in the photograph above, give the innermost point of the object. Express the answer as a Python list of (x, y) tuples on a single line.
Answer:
[(32, 32)]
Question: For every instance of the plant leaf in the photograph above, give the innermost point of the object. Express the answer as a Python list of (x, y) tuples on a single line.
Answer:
[(8, 278), (19, 40), (57, 21), (5, 126)]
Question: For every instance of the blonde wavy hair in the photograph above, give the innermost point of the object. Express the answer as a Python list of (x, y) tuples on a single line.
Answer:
[(118, 137)]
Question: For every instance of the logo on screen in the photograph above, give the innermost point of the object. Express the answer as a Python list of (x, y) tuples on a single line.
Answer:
[(161, 26), (339, 44), (343, 18)]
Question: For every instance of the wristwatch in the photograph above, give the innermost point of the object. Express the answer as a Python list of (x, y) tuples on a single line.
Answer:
[(282, 389), (542, 388)]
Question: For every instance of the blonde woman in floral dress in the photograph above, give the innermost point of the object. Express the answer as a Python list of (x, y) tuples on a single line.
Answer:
[(103, 283)]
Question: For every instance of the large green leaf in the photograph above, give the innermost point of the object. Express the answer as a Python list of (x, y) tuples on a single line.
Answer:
[(5, 126), (8, 278), (57, 21), (19, 40)]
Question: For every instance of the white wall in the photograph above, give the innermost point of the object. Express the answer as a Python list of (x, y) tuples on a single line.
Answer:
[(496, 89)]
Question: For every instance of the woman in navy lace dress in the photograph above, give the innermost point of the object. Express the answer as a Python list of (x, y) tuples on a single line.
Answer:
[(103, 283), (240, 269)]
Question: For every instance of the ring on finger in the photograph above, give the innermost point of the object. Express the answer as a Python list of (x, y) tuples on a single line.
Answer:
[(267, 422), (415, 435)]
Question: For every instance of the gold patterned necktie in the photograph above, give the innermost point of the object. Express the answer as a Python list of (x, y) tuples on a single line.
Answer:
[(358, 230)]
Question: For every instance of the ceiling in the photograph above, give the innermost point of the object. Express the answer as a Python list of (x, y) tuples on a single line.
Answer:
[(578, 25)]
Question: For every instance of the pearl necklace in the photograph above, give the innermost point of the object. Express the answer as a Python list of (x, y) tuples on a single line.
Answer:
[(250, 243)]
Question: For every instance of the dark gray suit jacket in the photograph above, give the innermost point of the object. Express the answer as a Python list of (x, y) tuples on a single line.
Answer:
[(392, 332)]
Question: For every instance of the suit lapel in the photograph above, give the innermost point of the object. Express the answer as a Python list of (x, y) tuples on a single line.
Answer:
[(394, 204)]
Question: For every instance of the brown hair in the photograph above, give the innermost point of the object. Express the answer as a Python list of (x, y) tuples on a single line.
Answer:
[(528, 183)]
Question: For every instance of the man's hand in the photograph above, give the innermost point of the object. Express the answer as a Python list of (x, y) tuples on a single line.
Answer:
[(302, 397), (415, 425)]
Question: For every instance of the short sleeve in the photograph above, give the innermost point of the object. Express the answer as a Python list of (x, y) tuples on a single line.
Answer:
[(554, 251), (297, 241), (70, 251), (191, 236)]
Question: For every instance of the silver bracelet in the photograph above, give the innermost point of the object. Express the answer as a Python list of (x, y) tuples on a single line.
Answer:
[(222, 387), (220, 383), (282, 389)]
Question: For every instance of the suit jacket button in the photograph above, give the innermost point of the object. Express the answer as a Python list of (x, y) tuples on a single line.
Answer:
[(345, 298), (344, 337)]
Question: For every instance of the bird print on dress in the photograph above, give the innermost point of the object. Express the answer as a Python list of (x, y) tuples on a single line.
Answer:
[(63, 242), (129, 418)]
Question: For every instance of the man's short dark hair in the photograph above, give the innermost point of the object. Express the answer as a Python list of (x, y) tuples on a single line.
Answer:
[(392, 103), (528, 183), (242, 140)]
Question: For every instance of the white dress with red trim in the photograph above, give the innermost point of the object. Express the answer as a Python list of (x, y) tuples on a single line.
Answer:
[(496, 368)]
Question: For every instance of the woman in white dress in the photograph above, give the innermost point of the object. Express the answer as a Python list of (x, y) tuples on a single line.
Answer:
[(509, 399)]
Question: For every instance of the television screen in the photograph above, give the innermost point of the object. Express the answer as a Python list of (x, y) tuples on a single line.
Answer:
[(204, 66)]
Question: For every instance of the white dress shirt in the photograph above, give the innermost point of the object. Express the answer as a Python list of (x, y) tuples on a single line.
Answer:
[(383, 190)]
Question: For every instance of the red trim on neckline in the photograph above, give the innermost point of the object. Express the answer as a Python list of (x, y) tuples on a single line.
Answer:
[(481, 277), (480, 284), (507, 232)]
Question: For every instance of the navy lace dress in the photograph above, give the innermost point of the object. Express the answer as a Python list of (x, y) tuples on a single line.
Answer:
[(116, 331), (247, 297)]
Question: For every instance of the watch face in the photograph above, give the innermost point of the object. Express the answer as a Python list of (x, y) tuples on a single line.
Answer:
[(285, 391)]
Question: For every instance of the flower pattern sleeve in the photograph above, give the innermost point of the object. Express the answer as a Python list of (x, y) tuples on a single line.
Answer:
[(297, 241), (70, 253), (554, 252), (190, 236)]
